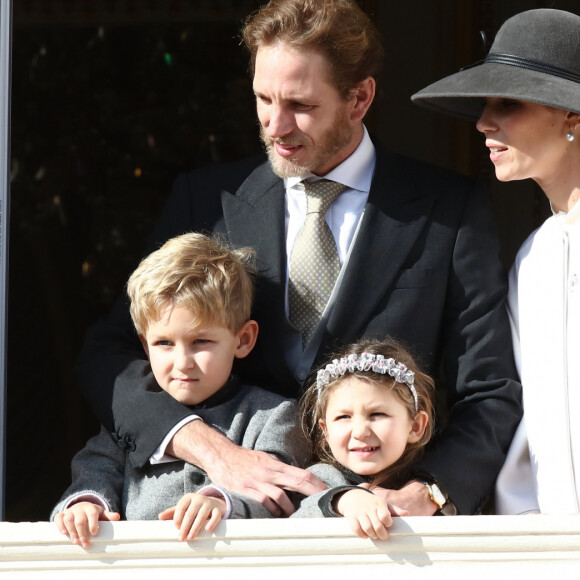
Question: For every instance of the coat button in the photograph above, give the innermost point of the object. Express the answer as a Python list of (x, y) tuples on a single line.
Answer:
[(197, 477)]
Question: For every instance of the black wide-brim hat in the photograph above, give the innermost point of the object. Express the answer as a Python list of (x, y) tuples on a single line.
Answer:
[(535, 57)]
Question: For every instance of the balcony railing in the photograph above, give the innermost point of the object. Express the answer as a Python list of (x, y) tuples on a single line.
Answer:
[(490, 547)]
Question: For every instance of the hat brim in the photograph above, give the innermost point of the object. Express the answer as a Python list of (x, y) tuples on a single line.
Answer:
[(463, 94)]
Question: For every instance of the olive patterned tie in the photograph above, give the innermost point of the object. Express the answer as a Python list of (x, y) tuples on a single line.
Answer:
[(314, 264)]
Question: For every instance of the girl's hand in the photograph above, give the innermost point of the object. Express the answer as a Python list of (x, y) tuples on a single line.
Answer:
[(369, 515), (411, 500), (194, 512), (80, 521)]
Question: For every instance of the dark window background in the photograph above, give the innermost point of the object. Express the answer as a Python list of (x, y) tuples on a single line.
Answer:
[(111, 100)]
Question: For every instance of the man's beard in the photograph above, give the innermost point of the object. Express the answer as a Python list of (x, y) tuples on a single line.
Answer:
[(333, 141)]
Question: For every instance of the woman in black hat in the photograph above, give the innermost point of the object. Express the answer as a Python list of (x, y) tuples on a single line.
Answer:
[(525, 97)]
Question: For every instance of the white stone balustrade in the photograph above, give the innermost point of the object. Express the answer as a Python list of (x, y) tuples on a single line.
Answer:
[(490, 547)]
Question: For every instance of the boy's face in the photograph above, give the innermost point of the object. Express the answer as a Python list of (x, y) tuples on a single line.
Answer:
[(192, 363)]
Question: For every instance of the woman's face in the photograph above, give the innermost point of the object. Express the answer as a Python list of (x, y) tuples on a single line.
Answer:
[(526, 140)]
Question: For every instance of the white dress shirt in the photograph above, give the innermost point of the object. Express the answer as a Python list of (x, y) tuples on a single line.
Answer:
[(343, 216)]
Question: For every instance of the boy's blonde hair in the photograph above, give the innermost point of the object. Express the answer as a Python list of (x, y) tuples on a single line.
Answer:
[(200, 273)]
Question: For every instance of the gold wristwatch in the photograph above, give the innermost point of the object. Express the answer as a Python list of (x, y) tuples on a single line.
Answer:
[(437, 494)]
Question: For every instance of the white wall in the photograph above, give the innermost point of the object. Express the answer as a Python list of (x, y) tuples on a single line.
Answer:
[(467, 547)]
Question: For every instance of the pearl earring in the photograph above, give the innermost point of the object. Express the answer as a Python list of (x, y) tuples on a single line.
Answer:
[(570, 136)]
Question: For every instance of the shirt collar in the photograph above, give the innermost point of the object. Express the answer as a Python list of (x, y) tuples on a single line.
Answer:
[(355, 172), (227, 392), (567, 218)]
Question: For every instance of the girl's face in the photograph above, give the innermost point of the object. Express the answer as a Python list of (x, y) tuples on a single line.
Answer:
[(526, 140), (367, 427)]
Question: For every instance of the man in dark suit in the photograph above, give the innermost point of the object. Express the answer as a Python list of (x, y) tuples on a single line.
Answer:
[(419, 261)]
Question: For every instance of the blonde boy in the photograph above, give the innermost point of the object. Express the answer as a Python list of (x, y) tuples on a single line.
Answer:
[(190, 304)]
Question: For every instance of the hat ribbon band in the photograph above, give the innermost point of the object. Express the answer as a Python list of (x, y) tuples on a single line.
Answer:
[(531, 64)]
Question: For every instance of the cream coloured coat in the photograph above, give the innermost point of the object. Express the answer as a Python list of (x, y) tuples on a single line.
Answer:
[(542, 470)]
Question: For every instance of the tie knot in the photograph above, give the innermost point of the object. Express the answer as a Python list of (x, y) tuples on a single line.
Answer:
[(321, 194)]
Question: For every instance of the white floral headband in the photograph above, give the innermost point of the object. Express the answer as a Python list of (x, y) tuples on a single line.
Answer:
[(376, 363)]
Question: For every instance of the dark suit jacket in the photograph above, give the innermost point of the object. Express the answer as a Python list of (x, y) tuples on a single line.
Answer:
[(424, 269)]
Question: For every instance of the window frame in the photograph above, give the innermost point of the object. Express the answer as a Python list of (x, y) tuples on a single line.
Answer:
[(5, 94)]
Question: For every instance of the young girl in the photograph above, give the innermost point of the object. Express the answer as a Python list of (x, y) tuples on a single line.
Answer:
[(368, 415)]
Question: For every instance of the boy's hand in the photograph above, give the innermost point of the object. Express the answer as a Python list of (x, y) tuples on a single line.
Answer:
[(369, 515), (194, 512), (80, 521)]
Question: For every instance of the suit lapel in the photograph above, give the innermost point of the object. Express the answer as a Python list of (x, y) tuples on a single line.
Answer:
[(255, 217), (394, 217)]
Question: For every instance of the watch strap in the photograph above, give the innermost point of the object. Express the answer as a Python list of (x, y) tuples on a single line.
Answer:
[(438, 495)]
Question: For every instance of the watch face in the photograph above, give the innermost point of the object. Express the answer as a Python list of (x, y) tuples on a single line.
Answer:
[(438, 496)]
